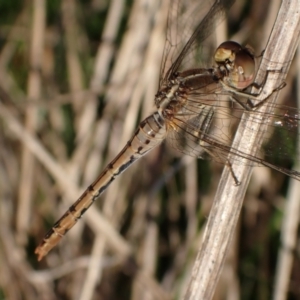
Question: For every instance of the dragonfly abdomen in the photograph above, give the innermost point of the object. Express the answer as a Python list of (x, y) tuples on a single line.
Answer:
[(150, 133)]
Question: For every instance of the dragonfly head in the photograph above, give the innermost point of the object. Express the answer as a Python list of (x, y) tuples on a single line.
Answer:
[(237, 62)]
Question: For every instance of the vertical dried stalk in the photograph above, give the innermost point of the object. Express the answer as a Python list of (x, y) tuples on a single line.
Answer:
[(34, 93), (225, 212)]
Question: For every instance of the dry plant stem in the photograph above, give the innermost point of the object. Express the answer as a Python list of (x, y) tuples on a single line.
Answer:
[(229, 198), (34, 92), (9, 48), (93, 275), (289, 227), (75, 76)]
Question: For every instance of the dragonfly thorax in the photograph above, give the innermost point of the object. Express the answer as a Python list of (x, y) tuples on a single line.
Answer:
[(166, 95)]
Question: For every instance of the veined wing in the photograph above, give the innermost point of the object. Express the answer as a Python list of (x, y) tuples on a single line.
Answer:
[(180, 53), (205, 126)]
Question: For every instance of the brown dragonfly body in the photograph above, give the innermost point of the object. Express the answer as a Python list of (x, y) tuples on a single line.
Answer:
[(186, 103)]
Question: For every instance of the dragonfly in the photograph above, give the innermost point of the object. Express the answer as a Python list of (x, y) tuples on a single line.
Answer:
[(192, 106)]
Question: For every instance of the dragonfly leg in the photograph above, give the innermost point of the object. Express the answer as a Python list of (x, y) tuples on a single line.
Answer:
[(236, 181), (250, 96), (242, 104), (206, 149), (254, 106)]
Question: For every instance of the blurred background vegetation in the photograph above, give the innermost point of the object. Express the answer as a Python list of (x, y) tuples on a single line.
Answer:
[(76, 77)]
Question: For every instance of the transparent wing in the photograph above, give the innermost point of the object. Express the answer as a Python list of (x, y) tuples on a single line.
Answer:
[(206, 125), (185, 34)]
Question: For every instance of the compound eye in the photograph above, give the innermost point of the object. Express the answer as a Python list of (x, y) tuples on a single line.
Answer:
[(239, 63), (227, 52), (245, 69)]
